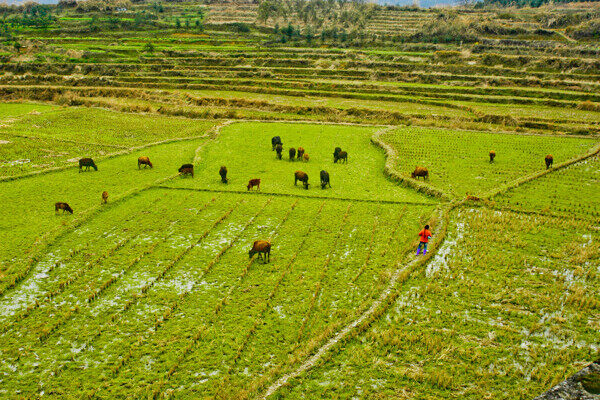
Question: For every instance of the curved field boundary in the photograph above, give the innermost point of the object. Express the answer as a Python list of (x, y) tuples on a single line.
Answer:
[(521, 181), (387, 296), (257, 193), (391, 172)]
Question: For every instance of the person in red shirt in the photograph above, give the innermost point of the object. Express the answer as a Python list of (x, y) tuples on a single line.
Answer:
[(425, 235)]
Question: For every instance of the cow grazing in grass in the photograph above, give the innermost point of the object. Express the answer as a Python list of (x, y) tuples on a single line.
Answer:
[(292, 153), (420, 172), (223, 173), (342, 156), (275, 140), (306, 157), (325, 179), (262, 248), (279, 149), (186, 169), (254, 182), (336, 152), (549, 161), (300, 153), (87, 163), (105, 197), (302, 177), (62, 206), (145, 161), (492, 156)]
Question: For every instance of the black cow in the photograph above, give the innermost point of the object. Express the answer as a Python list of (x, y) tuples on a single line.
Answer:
[(325, 179), (275, 140)]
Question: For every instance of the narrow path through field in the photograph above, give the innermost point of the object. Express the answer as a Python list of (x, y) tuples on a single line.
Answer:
[(369, 313)]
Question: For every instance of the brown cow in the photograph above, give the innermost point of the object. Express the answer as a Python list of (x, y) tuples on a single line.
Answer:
[(302, 177), (261, 247), (62, 206), (300, 153), (187, 169), (278, 149), (420, 171), (549, 161), (223, 173), (342, 155), (254, 182), (145, 161), (306, 157), (492, 156), (87, 163), (105, 197)]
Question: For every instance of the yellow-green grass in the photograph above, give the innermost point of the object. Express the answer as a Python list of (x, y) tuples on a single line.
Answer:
[(93, 125), (506, 309), (536, 112), (160, 289), (13, 110), (245, 149), (339, 103), (458, 161), (572, 191), (28, 214)]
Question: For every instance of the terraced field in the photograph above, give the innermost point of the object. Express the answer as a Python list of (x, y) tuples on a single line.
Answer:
[(153, 295)]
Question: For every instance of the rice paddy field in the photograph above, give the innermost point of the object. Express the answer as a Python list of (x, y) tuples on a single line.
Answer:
[(153, 295)]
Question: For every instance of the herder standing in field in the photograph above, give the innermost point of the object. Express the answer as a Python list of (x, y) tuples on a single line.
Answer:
[(425, 235)]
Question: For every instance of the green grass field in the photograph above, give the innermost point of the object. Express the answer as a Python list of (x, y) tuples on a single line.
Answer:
[(153, 295)]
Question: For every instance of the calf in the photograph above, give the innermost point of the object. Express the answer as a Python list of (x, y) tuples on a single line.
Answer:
[(254, 182), (292, 153), (420, 171), (62, 206), (187, 169), (300, 153), (279, 149), (302, 177), (275, 140), (492, 156), (223, 173), (549, 161), (325, 179), (261, 247), (145, 161), (305, 157), (87, 163), (104, 197), (342, 155)]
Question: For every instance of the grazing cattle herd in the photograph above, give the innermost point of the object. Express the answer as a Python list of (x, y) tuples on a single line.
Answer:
[(263, 247)]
